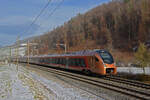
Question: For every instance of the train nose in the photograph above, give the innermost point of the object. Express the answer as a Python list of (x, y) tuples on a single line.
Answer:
[(109, 70)]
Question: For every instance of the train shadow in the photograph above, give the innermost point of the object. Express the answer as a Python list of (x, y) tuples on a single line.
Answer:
[(71, 71)]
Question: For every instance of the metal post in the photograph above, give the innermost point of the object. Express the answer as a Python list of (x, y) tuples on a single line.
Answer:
[(65, 48), (17, 52), (10, 56), (63, 45), (28, 51)]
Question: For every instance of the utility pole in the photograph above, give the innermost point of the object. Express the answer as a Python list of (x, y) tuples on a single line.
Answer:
[(65, 46), (18, 52), (10, 56), (28, 48), (28, 51)]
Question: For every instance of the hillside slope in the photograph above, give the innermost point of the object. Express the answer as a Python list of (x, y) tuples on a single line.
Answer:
[(118, 25)]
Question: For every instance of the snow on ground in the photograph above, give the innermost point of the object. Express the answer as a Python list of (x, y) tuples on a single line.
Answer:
[(11, 88), (26, 85), (134, 70)]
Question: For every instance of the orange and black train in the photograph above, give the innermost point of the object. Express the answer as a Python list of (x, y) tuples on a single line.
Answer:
[(90, 61)]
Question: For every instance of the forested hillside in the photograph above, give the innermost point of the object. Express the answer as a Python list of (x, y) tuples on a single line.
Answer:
[(118, 25)]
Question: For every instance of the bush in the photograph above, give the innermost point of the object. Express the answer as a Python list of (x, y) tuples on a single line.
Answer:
[(142, 56)]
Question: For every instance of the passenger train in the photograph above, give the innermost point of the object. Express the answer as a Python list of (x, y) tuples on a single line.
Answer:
[(90, 61)]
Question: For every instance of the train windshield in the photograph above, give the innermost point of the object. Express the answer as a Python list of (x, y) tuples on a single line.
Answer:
[(107, 57)]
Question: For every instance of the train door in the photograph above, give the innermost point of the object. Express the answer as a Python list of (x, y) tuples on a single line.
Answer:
[(67, 63), (95, 64), (99, 65), (91, 63)]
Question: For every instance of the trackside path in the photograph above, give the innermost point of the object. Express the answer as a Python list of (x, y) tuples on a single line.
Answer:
[(25, 84)]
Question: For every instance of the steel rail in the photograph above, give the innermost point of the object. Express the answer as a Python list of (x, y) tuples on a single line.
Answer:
[(134, 92), (127, 81)]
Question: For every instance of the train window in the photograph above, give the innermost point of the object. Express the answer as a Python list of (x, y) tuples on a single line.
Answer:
[(78, 62), (45, 60), (74, 62), (107, 57), (42, 60), (96, 59), (70, 63), (38, 60), (57, 61), (60, 60), (82, 63), (63, 61), (50, 60), (53, 61)]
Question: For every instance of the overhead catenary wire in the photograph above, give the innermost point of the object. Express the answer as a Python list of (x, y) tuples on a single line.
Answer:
[(54, 10), (36, 18)]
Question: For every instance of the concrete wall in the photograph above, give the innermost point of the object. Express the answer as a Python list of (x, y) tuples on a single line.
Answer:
[(134, 70)]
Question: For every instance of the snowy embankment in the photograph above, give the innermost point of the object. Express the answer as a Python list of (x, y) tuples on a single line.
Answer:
[(26, 85), (133, 70), (11, 87)]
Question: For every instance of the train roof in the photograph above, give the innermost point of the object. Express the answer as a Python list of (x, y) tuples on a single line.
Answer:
[(79, 53)]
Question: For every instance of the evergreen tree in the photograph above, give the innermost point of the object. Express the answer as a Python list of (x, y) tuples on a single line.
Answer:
[(142, 56)]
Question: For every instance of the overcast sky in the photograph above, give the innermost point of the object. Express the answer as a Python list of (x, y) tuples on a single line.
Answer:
[(17, 15)]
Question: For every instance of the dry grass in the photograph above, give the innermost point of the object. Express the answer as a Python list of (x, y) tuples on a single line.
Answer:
[(90, 45), (125, 57)]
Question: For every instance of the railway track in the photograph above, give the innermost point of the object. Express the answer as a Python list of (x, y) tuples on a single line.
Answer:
[(129, 82), (124, 87)]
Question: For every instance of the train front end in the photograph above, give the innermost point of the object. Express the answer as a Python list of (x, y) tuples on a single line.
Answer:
[(106, 64)]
